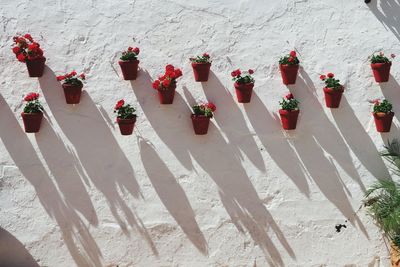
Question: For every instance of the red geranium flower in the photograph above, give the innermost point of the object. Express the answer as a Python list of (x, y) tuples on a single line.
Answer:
[(236, 73), (330, 75), (212, 106), (31, 97), (21, 57), (136, 50), (289, 96), (60, 78), (178, 73), (322, 77), (166, 83), (251, 71), (119, 104), (292, 53), (16, 50), (82, 75), (130, 48), (156, 84), (290, 59), (392, 55), (206, 55), (29, 37), (169, 68), (73, 73)]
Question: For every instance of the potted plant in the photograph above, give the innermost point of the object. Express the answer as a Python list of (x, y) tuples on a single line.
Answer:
[(129, 63), (382, 201), (289, 66), (166, 84), (201, 117), (383, 115), (72, 85), (33, 113), (333, 90), (201, 67), (28, 51), (126, 117), (289, 112), (243, 85), (380, 66)]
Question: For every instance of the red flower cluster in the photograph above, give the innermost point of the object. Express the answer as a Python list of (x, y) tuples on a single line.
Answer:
[(135, 50), (292, 56), (31, 97), (209, 105), (26, 48), (71, 75), (289, 96), (170, 76), (119, 104), (238, 72), (330, 75), (206, 55)]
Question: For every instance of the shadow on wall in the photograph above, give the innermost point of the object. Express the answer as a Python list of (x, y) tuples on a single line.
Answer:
[(232, 122), (316, 142), (358, 140), (75, 234), (269, 131), (387, 12), (172, 195), (98, 155), (222, 163), (13, 253)]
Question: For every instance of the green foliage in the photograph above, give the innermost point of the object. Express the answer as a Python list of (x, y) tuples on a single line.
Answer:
[(202, 110), (289, 104), (243, 79), (126, 112), (128, 56), (382, 199), (288, 60), (205, 58), (333, 83), (379, 58), (33, 107), (384, 106)]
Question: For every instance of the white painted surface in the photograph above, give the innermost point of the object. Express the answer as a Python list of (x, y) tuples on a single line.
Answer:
[(247, 194)]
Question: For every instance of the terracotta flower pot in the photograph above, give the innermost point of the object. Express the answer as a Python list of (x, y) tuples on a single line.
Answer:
[(333, 97), (36, 67), (72, 93), (166, 96), (126, 125), (289, 118), (383, 121), (394, 256), (201, 71), (129, 69), (289, 73), (381, 71), (200, 124), (243, 92), (32, 121)]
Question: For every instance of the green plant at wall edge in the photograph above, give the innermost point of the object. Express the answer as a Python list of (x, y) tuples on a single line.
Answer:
[(382, 199)]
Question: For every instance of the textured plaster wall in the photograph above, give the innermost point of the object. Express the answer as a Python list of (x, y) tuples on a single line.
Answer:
[(247, 194)]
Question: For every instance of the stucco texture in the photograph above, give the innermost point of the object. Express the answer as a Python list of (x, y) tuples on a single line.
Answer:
[(248, 193)]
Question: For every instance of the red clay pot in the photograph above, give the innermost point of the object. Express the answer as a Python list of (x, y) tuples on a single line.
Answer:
[(243, 92), (32, 121), (383, 121), (36, 67), (333, 97), (201, 71), (72, 93), (289, 118), (126, 125), (289, 73), (200, 124), (166, 96), (129, 69), (381, 71)]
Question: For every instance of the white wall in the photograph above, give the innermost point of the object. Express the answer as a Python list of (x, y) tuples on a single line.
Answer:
[(247, 194)]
